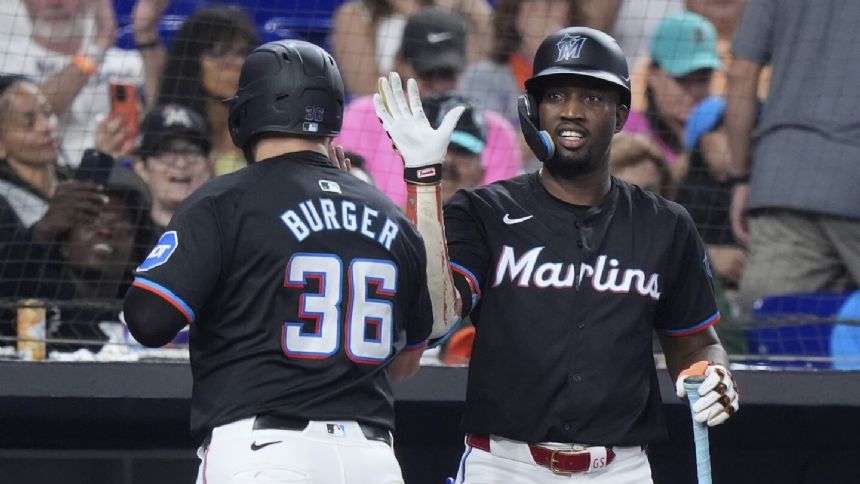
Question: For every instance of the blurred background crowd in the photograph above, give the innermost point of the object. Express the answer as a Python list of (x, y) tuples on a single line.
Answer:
[(744, 111)]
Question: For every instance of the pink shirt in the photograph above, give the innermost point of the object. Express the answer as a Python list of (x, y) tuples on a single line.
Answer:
[(362, 133), (637, 124)]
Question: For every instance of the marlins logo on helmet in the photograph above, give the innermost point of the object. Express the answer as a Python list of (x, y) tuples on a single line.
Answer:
[(569, 47)]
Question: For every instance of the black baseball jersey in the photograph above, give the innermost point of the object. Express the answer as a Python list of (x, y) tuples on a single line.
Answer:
[(567, 300), (300, 283)]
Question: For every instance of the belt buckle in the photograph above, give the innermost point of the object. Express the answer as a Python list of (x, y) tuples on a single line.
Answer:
[(553, 460)]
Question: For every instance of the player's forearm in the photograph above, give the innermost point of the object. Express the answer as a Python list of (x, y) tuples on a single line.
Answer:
[(741, 107), (424, 209), (683, 351)]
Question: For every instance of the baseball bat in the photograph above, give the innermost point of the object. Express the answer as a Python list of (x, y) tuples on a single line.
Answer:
[(700, 432)]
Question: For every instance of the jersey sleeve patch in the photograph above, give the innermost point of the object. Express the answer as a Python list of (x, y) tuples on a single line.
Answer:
[(707, 323), (162, 251), (167, 295)]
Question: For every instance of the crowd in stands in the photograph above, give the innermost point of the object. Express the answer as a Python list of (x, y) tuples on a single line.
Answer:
[(737, 114)]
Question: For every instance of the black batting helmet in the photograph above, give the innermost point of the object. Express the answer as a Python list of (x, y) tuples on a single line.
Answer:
[(289, 87), (578, 51)]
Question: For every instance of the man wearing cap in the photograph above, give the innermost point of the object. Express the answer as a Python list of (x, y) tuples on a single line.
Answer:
[(567, 273), (433, 52), (678, 76), (172, 157)]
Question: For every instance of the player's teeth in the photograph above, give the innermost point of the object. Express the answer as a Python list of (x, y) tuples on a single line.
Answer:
[(570, 134)]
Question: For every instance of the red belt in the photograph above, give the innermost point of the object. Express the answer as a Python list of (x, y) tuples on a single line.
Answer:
[(559, 461)]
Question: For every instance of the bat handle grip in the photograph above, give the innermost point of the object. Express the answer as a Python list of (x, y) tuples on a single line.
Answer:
[(700, 432)]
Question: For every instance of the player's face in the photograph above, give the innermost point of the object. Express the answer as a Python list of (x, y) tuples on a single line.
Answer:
[(175, 172), (581, 115), (28, 127)]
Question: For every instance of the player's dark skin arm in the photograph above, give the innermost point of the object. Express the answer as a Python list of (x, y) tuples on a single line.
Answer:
[(683, 351), (151, 320)]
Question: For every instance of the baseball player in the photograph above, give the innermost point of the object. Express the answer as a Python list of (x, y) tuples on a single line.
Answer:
[(304, 287), (566, 274)]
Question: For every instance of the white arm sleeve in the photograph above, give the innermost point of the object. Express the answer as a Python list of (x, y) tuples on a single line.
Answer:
[(424, 208)]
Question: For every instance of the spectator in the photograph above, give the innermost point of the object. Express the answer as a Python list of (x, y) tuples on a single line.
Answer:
[(84, 275), (518, 29), (172, 158), (683, 59), (59, 238), (462, 167), (725, 15), (40, 202), (367, 34), (202, 70), (795, 202), (705, 190), (69, 51), (436, 65), (638, 161)]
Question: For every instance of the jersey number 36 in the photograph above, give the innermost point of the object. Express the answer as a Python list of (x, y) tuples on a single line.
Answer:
[(368, 323)]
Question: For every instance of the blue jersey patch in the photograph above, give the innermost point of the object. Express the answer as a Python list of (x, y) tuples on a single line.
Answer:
[(162, 251)]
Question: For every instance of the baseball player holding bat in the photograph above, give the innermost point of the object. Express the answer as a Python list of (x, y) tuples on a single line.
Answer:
[(304, 287), (566, 273)]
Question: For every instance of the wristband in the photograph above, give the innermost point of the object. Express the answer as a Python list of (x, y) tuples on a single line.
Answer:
[(424, 175), (85, 63)]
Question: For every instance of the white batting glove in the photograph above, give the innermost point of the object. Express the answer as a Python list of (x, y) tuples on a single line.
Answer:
[(421, 147), (718, 393)]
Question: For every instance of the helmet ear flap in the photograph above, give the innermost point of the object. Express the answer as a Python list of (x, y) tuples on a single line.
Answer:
[(539, 141)]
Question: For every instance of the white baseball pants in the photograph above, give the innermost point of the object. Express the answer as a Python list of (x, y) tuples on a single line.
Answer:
[(323, 453)]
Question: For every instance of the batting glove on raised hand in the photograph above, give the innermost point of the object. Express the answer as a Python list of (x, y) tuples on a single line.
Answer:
[(718, 392), (421, 147)]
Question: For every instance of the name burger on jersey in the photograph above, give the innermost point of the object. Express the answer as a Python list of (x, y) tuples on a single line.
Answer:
[(606, 274), (319, 214)]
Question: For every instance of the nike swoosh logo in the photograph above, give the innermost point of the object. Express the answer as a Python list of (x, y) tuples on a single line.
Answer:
[(626, 79), (510, 221), (435, 38), (255, 447)]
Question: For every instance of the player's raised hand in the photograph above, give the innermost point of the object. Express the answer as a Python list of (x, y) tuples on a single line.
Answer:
[(418, 143), (719, 392)]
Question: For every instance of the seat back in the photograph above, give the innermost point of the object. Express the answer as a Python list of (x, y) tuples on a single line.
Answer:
[(792, 331)]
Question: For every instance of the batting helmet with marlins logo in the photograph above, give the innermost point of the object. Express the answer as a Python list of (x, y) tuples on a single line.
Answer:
[(579, 51), (287, 87)]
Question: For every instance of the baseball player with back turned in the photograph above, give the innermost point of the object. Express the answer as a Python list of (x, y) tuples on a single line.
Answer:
[(304, 287), (566, 274)]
